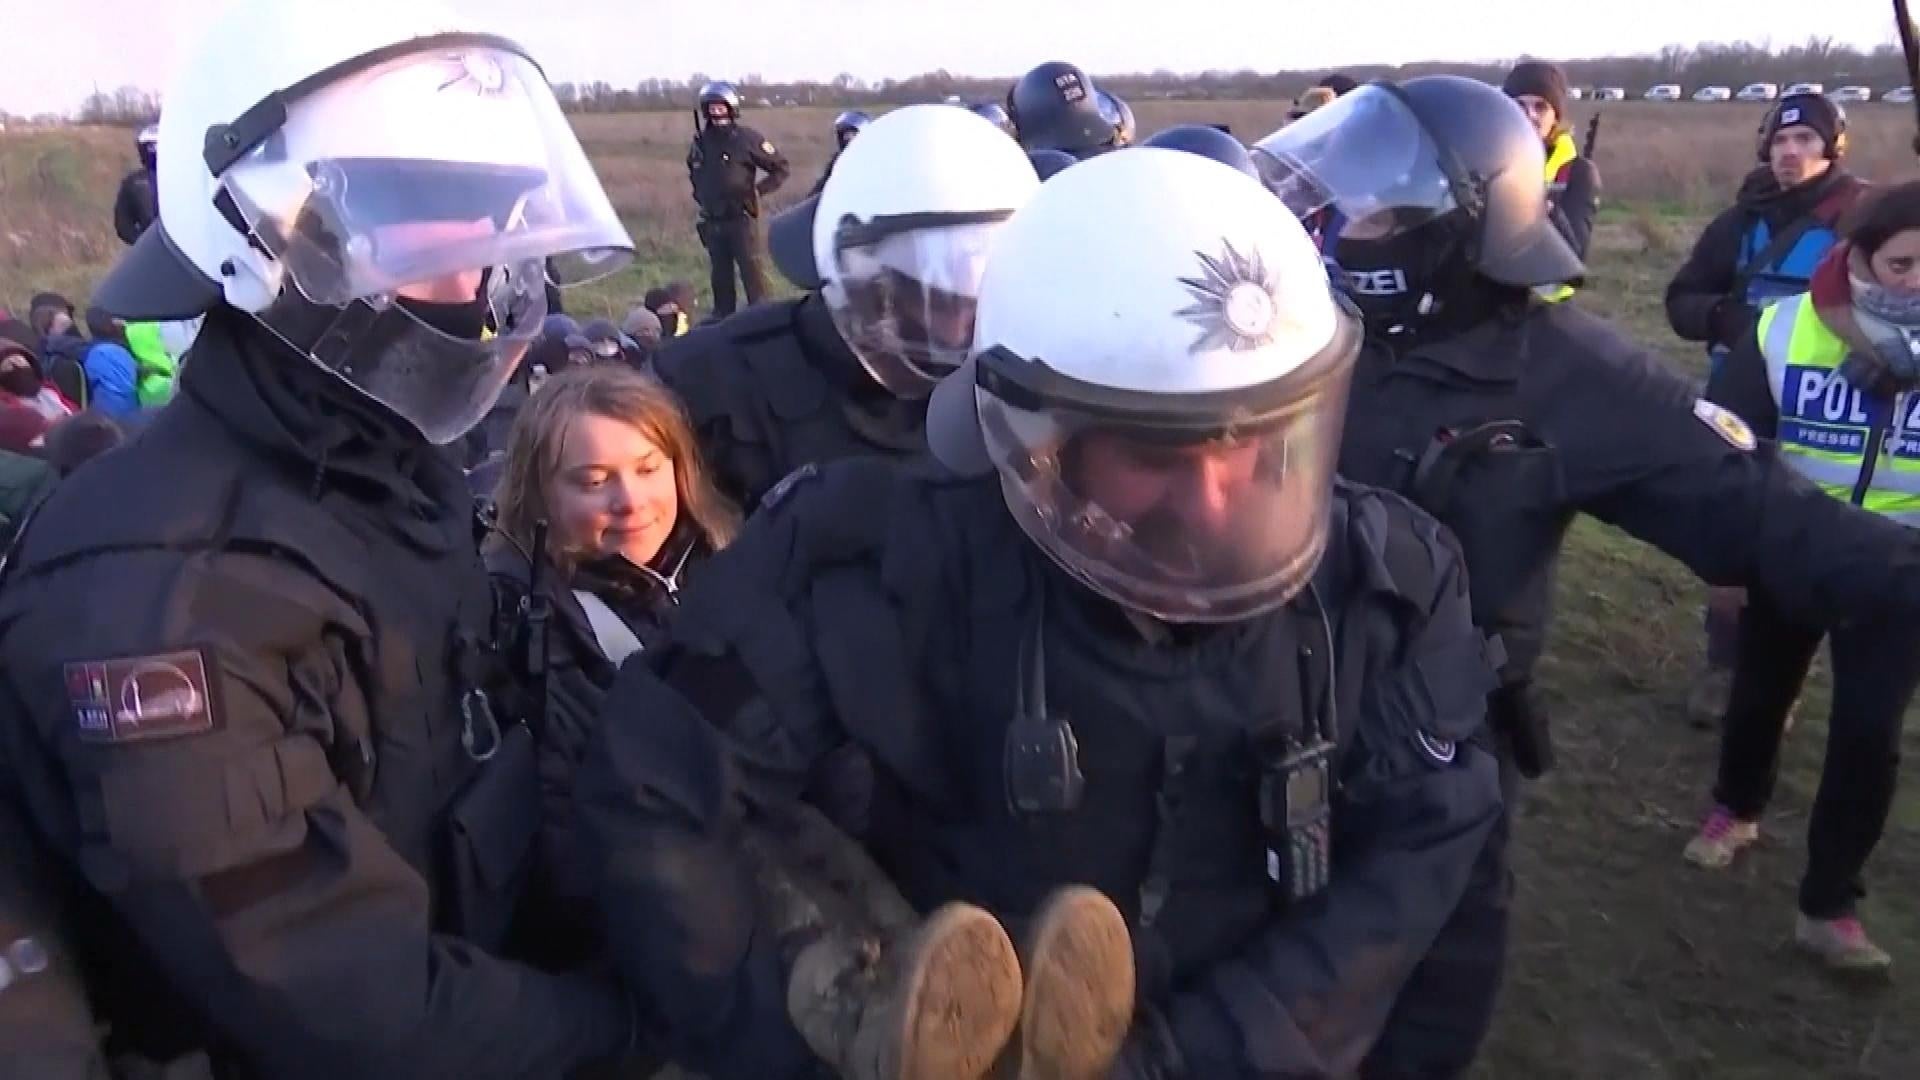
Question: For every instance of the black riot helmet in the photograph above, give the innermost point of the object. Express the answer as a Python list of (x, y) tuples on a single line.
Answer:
[(1120, 114), (1056, 107), (1048, 164), (1418, 188), (993, 114), (847, 125), (1209, 142), (718, 103)]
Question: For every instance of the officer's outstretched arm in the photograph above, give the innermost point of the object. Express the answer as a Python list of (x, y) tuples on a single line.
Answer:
[(190, 749), (1419, 799), (1648, 456)]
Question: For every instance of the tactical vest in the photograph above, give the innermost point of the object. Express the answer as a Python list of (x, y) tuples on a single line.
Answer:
[(1787, 272), (1861, 449), (1559, 161)]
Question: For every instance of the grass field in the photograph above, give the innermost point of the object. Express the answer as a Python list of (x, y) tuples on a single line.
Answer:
[(1626, 962)]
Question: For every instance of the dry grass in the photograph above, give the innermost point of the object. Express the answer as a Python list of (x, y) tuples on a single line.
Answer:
[(56, 188)]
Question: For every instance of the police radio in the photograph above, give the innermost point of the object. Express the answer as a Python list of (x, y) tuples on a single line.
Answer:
[(1296, 792), (1041, 763)]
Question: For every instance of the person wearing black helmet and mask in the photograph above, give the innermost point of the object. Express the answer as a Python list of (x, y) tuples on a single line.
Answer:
[(1056, 107), (890, 253), (993, 113), (137, 205), (1506, 416), (731, 167), (845, 127), (281, 778), (1121, 114)]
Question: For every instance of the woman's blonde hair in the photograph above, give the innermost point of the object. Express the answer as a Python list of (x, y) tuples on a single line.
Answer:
[(537, 445)]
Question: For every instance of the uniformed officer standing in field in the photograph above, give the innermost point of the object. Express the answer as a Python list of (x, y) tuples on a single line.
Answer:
[(1507, 416), (247, 711), (1129, 633), (726, 164)]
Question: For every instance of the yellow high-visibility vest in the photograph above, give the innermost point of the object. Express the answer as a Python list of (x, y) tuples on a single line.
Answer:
[(1825, 421)]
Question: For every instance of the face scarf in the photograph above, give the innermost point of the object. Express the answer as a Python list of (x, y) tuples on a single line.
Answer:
[(1889, 319)]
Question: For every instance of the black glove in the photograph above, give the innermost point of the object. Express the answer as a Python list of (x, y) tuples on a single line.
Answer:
[(1731, 321)]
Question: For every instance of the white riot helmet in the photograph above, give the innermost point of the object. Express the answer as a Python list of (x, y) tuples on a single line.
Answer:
[(1161, 393), (384, 190), (901, 235)]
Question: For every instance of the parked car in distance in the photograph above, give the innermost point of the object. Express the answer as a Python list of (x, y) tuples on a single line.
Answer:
[(1759, 91), (1899, 95), (1713, 93), (1853, 93), (1574, 93), (1662, 92), (1609, 93), (1805, 88)]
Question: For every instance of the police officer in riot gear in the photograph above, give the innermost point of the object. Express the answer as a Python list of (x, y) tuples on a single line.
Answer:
[(1056, 107), (1129, 632), (287, 802), (135, 207), (897, 240), (1505, 415), (1208, 142), (731, 166), (993, 113), (1048, 164), (1120, 114), (845, 127)]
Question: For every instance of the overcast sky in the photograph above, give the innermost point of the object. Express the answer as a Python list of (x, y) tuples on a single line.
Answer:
[(57, 51)]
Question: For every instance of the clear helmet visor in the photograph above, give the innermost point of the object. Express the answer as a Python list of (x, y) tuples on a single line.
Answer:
[(1183, 523), (1364, 161), (433, 163), (442, 189), (439, 354), (904, 298)]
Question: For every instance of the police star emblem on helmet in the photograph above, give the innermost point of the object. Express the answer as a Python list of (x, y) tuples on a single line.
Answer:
[(1234, 304)]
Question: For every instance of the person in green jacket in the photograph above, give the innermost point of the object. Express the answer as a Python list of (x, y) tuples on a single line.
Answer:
[(155, 366)]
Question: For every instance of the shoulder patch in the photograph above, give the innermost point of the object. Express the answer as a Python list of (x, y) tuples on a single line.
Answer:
[(1725, 424), (1442, 751), (162, 696), (766, 146), (778, 493)]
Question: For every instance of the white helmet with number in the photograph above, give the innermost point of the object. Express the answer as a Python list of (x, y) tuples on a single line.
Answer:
[(901, 236), (1161, 393), (383, 162)]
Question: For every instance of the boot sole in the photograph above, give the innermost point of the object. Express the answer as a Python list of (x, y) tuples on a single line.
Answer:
[(1080, 986), (961, 999)]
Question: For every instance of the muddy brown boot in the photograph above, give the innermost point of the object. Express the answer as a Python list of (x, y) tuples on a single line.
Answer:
[(1078, 1004), (938, 1002)]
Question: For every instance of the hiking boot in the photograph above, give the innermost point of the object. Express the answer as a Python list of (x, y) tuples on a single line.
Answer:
[(1707, 701), (1841, 945), (937, 1003), (1078, 959), (1721, 837)]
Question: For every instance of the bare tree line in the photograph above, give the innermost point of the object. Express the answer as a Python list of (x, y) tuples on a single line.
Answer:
[(1818, 59)]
